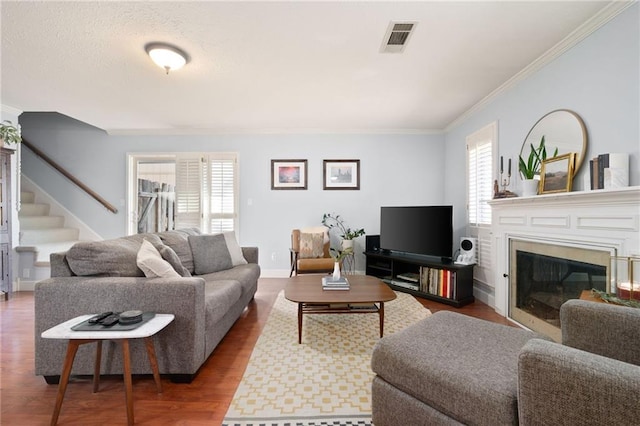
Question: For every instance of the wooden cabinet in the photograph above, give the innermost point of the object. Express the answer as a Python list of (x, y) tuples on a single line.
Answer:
[(6, 277), (432, 279)]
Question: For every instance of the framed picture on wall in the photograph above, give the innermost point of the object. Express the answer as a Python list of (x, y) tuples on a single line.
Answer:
[(341, 174), (288, 174), (557, 174)]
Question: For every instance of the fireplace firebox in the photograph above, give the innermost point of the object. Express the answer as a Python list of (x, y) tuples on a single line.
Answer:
[(543, 276)]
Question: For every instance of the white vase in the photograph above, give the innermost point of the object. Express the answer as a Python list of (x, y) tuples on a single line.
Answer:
[(336, 271), (529, 187), (347, 244)]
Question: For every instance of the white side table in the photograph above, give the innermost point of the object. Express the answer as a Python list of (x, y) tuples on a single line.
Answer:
[(77, 338)]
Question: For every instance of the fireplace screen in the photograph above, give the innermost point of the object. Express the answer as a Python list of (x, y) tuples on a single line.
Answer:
[(545, 276)]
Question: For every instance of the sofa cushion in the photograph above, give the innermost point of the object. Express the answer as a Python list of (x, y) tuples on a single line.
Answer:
[(219, 297), (246, 275), (113, 258), (215, 252), (152, 263), (311, 245), (170, 256), (177, 240)]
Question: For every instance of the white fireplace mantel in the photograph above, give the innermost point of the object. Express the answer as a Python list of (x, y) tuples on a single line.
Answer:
[(601, 219)]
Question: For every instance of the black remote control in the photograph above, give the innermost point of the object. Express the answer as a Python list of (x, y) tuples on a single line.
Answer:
[(99, 317), (110, 320)]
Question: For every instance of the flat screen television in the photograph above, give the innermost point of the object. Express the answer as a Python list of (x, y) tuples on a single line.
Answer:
[(422, 230)]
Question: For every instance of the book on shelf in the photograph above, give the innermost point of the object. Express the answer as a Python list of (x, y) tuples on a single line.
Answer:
[(439, 282)]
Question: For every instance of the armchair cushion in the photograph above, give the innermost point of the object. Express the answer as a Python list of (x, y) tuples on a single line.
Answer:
[(311, 245)]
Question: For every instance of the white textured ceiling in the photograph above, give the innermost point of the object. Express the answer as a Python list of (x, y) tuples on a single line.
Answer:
[(271, 66)]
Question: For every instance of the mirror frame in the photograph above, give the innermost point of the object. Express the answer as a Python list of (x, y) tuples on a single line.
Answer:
[(579, 158)]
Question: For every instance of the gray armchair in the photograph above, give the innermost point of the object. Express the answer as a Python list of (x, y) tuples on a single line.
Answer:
[(450, 369), (593, 378)]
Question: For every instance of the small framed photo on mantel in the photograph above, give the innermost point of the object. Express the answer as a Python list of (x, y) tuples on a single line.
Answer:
[(341, 174), (288, 174), (557, 174)]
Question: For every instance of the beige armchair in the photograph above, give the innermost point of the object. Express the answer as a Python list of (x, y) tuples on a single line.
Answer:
[(310, 251)]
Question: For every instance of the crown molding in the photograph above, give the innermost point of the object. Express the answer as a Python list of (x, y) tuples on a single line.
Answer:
[(268, 131), (606, 14)]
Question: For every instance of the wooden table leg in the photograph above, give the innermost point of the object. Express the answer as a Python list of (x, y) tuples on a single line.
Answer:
[(151, 351), (96, 366), (128, 385), (299, 323), (381, 313), (72, 349)]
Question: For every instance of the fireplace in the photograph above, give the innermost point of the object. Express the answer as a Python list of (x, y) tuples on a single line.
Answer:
[(564, 243), (543, 276)]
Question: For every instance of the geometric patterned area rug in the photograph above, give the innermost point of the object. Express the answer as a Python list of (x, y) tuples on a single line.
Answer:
[(326, 380)]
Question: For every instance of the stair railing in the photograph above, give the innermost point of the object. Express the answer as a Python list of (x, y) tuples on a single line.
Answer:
[(69, 176)]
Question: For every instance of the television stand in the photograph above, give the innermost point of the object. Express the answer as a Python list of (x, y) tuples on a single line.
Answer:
[(440, 280)]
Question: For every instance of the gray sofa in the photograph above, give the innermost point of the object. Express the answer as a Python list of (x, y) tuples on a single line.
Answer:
[(450, 369), (103, 276)]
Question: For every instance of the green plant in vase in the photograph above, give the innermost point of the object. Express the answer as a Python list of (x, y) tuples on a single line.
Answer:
[(531, 167), (9, 133), (335, 221)]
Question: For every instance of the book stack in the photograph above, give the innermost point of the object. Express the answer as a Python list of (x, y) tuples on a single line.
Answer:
[(328, 283), (609, 171), (440, 282)]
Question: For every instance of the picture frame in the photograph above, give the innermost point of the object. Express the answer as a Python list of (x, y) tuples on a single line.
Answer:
[(288, 174), (341, 174), (556, 174)]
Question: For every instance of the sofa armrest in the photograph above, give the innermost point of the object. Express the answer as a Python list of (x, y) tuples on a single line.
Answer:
[(180, 348), (601, 328), (250, 254), (562, 385)]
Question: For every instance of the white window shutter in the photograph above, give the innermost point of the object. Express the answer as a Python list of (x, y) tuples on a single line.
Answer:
[(223, 200), (189, 182)]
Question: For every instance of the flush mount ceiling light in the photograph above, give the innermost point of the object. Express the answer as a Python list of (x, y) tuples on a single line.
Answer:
[(167, 56)]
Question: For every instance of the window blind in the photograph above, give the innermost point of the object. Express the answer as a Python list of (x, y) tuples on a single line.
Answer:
[(206, 192)]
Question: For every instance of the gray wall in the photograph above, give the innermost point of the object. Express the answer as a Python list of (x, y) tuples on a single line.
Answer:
[(598, 79), (395, 170)]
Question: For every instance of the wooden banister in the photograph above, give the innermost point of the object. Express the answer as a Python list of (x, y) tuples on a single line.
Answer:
[(69, 176)]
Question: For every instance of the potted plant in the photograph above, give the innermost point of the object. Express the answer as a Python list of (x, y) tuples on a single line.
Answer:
[(531, 168), (9, 134), (347, 234)]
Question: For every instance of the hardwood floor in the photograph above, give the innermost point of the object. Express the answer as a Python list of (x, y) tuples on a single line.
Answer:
[(25, 399)]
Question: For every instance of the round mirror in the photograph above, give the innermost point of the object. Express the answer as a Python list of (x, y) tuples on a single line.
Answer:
[(562, 129)]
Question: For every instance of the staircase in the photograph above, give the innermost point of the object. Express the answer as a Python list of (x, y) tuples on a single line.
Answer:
[(40, 235)]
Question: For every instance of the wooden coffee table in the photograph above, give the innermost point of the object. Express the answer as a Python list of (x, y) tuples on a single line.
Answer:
[(366, 295)]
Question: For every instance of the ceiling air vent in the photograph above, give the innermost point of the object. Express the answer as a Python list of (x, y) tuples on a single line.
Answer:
[(397, 36)]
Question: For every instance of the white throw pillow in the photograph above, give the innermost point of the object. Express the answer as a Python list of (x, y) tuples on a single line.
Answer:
[(152, 264)]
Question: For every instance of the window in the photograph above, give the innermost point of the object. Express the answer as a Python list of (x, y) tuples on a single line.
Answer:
[(480, 147), (206, 192)]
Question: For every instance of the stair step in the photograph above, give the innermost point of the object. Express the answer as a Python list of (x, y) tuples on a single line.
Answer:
[(27, 197), (45, 250), (37, 237), (33, 209), (41, 222)]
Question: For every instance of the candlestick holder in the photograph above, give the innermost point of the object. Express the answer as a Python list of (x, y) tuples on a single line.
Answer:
[(505, 182), (625, 277)]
